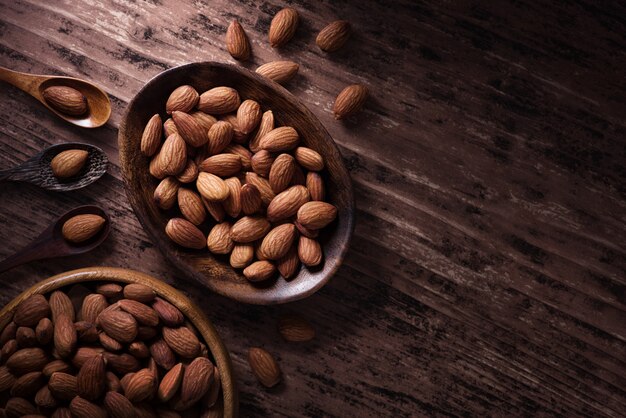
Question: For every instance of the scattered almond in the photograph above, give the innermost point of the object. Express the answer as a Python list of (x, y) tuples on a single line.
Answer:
[(279, 71), (294, 328), (237, 42), (349, 101), (333, 36), (264, 367), (283, 27)]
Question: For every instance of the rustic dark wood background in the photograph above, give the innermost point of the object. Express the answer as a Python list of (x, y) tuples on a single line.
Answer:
[(487, 274)]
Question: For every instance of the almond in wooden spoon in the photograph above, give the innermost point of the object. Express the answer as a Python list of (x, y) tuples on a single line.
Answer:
[(66, 100), (80, 228), (68, 163)]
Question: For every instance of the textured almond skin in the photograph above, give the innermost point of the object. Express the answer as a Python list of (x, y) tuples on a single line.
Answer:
[(283, 27), (315, 186), (109, 290), (278, 241), (63, 386), (264, 367), (183, 99), (241, 256), (289, 264), (316, 215), (182, 341), (189, 173), (44, 331), (171, 383), (279, 71), (185, 234), (139, 292), (6, 379), (309, 251), (31, 310), (19, 407), (281, 172), (169, 127), (215, 209), (219, 240), (190, 205), (56, 366), (142, 313), (162, 354), (189, 129), (238, 135), (249, 229), (219, 136), (259, 271), (262, 163), (294, 328), (172, 158), (80, 228), (307, 232), (66, 100), (118, 405), (199, 375), (237, 42), (248, 116), (85, 353), (280, 139), (151, 137), (250, 199), (166, 193), (119, 325), (25, 337), (82, 408), (93, 305), (65, 337), (266, 125), (243, 153), (60, 303), (211, 187), (8, 333), (27, 385), (349, 101), (141, 386), (287, 203), (205, 120), (168, 313), (309, 159), (333, 36), (90, 380), (219, 100), (68, 163), (262, 185), (44, 398), (109, 344), (222, 165), (232, 204)]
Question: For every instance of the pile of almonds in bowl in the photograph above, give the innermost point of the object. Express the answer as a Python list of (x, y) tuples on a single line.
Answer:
[(236, 184), (104, 350)]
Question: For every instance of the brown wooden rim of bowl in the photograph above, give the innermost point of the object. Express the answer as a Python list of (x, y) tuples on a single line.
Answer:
[(234, 293), (167, 292)]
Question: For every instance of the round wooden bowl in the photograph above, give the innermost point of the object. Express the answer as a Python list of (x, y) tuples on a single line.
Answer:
[(165, 291), (212, 271)]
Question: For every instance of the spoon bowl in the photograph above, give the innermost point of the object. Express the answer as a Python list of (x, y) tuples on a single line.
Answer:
[(37, 170), (97, 100)]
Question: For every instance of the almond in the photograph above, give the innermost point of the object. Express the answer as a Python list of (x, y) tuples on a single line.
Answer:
[(6, 379), (183, 99), (122, 363), (309, 251), (85, 353), (283, 27), (25, 337), (239, 136), (109, 344), (287, 203), (139, 349), (90, 380), (232, 204), (219, 100), (249, 229), (56, 366), (211, 187), (205, 120), (309, 159), (82, 408), (219, 240), (333, 36), (222, 165), (259, 271), (264, 367), (172, 158), (166, 193), (80, 228), (66, 100), (248, 116), (310, 233), (170, 383), (215, 209), (242, 152), (142, 313), (294, 328), (118, 405), (151, 137), (241, 256), (219, 135), (190, 205), (31, 310), (163, 354), (27, 385), (185, 234), (141, 386), (189, 173), (169, 127), (8, 333), (279, 71), (280, 139), (86, 331), (109, 290), (139, 292), (182, 340), (119, 325), (189, 129), (65, 337), (156, 168), (8, 349), (237, 42), (63, 386), (93, 305), (197, 380), (316, 215), (262, 185), (44, 398), (68, 163), (146, 333), (44, 331), (19, 407), (281, 172), (169, 314), (266, 125), (261, 163), (289, 263), (113, 382), (250, 199), (213, 394), (349, 101), (315, 186), (278, 241)]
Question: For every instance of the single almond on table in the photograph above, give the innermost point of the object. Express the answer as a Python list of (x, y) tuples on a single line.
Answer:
[(315, 186), (333, 36), (249, 229), (316, 215), (118, 405), (90, 380), (219, 136), (31, 310), (80, 228), (219, 240), (349, 101), (281, 172), (189, 173), (248, 116), (261, 162), (185, 234), (279, 71), (278, 241), (183, 99), (171, 383), (250, 199), (197, 380), (309, 251), (121, 326), (182, 340), (309, 159), (222, 165), (219, 100), (262, 185), (294, 328), (280, 139), (264, 367), (68, 163), (288, 264), (237, 42), (283, 27), (191, 131), (241, 256), (232, 204), (287, 203), (166, 193), (259, 271), (190, 205), (66, 100), (151, 137), (139, 292)]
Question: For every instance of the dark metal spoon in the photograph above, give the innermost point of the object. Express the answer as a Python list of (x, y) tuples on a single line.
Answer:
[(51, 244), (37, 170)]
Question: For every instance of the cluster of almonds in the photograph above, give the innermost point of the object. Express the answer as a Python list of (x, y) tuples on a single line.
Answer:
[(284, 24), (244, 168), (111, 350)]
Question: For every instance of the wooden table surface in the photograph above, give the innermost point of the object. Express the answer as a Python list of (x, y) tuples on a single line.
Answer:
[(487, 273)]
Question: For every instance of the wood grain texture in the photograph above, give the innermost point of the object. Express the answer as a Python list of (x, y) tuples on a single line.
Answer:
[(487, 273)]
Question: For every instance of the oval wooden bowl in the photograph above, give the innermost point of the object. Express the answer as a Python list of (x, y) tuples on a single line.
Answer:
[(167, 292), (215, 273)]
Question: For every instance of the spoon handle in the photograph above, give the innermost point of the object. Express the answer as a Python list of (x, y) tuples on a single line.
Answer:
[(36, 250), (6, 174), (23, 81)]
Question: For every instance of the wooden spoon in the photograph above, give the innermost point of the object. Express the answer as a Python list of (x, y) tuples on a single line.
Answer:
[(97, 100), (51, 244), (37, 170)]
